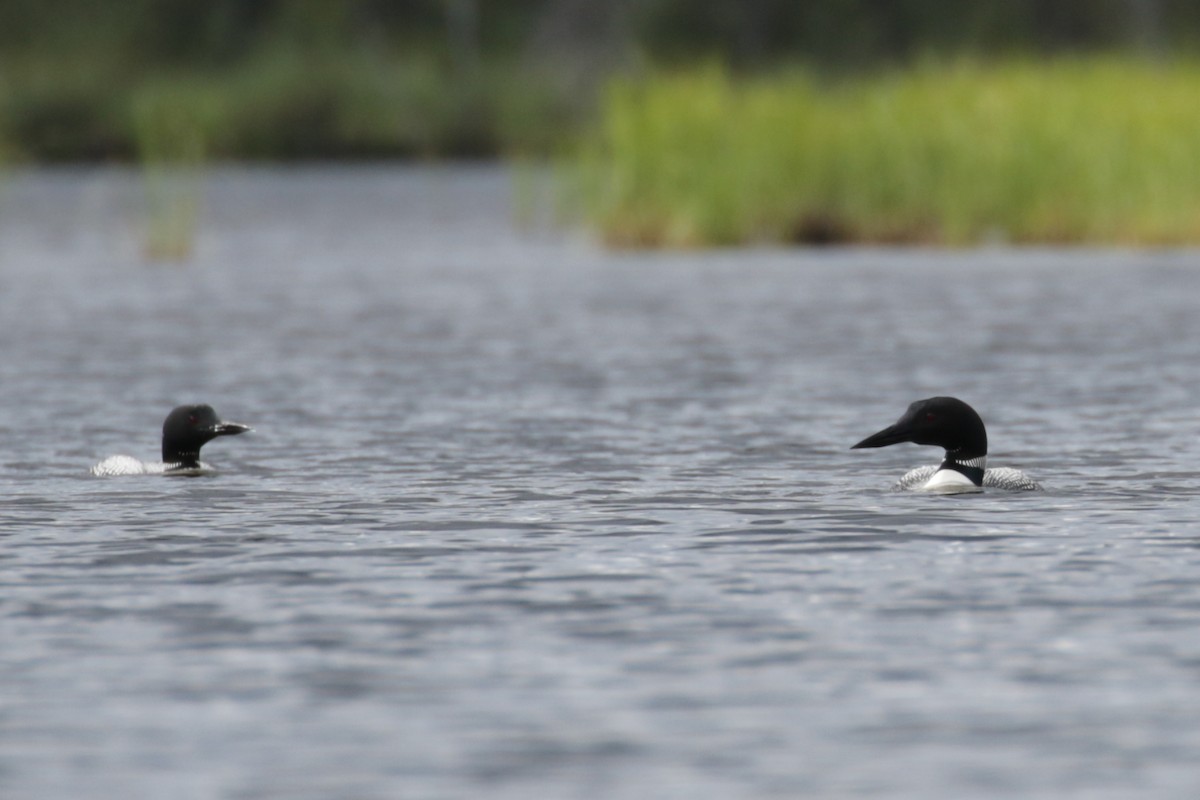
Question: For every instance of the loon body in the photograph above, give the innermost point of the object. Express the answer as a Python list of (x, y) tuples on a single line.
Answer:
[(953, 425), (185, 430)]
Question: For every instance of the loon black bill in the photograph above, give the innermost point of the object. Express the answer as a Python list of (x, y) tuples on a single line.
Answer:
[(892, 434), (229, 428)]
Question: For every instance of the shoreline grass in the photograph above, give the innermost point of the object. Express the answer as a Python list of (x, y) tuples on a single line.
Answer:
[(284, 104), (1100, 150), (173, 140)]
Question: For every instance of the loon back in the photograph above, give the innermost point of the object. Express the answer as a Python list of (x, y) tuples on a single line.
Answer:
[(1011, 479), (1006, 478), (113, 466), (118, 466)]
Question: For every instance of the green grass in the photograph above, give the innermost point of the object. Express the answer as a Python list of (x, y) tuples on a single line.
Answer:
[(1095, 150), (174, 133)]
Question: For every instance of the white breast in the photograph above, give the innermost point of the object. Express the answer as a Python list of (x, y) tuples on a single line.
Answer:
[(949, 481)]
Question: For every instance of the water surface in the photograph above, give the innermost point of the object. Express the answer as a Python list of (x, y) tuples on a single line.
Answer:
[(523, 518)]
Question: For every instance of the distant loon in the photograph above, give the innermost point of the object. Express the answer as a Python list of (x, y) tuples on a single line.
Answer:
[(185, 430), (950, 423)]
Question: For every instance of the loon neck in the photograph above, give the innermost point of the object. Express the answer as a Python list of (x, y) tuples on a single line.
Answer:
[(185, 459), (973, 468)]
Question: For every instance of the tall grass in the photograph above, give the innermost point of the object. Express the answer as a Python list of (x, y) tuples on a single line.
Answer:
[(1098, 150), (174, 131)]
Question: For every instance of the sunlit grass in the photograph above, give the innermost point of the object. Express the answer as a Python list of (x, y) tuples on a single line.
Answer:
[(1100, 150)]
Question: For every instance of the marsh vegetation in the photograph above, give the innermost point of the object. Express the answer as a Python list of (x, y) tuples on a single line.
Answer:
[(1101, 150)]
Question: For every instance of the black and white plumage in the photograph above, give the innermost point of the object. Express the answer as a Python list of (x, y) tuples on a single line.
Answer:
[(951, 424), (185, 430)]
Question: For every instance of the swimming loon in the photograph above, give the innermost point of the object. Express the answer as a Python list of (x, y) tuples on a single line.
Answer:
[(950, 423), (185, 430)]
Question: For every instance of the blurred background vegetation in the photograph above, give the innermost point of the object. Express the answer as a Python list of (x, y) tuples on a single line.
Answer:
[(645, 96), (289, 79)]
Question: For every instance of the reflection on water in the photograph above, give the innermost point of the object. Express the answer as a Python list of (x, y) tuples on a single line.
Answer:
[(527, 518)]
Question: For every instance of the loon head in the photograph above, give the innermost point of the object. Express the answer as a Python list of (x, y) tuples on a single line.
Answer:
[(943, 421), (187, 428)]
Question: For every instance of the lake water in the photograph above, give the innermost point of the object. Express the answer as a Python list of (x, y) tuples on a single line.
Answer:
[(522, 518)]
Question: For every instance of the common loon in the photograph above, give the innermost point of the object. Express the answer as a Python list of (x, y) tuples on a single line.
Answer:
[(950, 423), (185, 430)]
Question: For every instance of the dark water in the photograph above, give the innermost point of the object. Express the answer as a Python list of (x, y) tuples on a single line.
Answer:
[(524, 519)]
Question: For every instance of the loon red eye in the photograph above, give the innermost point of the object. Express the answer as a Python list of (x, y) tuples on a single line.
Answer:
[(192, 418), (930, 416)]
